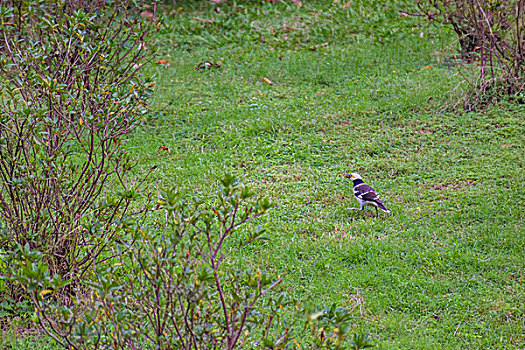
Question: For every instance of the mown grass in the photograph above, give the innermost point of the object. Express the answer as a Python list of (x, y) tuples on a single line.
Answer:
[(444, 270)]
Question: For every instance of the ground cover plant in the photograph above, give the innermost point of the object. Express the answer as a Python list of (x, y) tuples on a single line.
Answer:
[(356, 87)]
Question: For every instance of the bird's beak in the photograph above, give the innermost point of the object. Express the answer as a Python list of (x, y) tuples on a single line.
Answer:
[(348, 176)]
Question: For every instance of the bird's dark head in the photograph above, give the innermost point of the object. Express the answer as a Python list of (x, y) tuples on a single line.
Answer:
[(353, 176)]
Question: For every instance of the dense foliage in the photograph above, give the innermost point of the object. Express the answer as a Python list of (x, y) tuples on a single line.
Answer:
[(70, 91), (170, 286)]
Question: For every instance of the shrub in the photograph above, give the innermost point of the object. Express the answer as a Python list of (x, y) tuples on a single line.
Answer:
[(70, 91), (172, 286), (491, 33)]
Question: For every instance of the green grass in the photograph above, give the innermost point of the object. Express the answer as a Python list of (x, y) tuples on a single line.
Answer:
[(444, 270)]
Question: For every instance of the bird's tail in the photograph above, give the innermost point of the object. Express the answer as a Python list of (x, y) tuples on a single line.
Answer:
[(383, 208)]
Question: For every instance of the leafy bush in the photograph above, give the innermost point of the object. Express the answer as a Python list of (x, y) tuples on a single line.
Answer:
[(70, 91), (492, 34), (171, 286)]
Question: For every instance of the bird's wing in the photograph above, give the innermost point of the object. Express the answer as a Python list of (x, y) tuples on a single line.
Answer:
[(367, 193)]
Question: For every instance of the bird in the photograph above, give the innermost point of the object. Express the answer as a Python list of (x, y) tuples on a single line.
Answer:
[(365, 195)]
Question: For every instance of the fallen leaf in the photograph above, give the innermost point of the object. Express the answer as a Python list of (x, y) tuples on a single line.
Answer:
[(163, 148), (347, 4), (163, 61), (266, 80), (297, 3)]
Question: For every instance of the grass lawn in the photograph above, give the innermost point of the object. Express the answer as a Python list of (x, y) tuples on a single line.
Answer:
[(355, 89)]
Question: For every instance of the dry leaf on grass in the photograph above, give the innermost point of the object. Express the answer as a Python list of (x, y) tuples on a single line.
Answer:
[(267, 81), (163, 148), (163, 62)]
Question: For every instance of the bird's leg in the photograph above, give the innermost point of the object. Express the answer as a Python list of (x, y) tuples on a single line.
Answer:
[(377, 213), (362, 207)]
